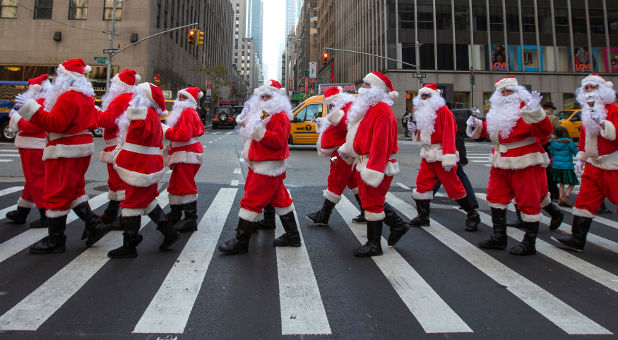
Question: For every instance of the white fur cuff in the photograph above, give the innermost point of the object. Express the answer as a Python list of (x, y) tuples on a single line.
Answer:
[(582, 213), (329, 195), (165, 128), (449, 160), (25, 203), (55, 213), (116, 195), (14, 122), (534, 116), (581, 156), (136, 113), (428, 195), (259, 132), (248, 215), (79, 200), (530, 218), (546, 201), (475, 132), (369, 216), (335, 117), (285, 210), (29, 109), (609, 131), (182, 199), (498, 205), (371, 177)]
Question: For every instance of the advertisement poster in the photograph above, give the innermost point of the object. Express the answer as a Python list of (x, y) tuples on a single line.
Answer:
[(498, 58), (612, 65), (531, 62), (582, 58)]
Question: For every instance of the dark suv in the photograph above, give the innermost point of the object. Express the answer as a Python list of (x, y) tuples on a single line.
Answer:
[(224, 116)]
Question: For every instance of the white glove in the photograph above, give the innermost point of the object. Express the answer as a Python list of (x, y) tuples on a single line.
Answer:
[(579, 167), (534, 101), (448, 168), (596, 117), (20, 100), (412, 127), (13, 111), (318, 124), (473, 121)]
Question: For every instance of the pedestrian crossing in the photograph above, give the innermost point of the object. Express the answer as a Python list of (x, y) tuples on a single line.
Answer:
[(435, 281), (8, 153)]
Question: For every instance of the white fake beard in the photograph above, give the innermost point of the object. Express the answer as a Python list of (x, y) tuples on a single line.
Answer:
[(278, 103), (251, 112), (367, 97), (32, 93), (601, 97), (178, 108), (115, 89), (503, 115), (425, 112), (63, 83)]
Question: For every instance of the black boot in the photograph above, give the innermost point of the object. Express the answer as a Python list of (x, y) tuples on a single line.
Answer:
[(517, 223), (577, 240), (41, 222), (361, 217), (175, 215), (131, 238), (240, 243), (474, 219), (498, 239), (526, 246), (556, 216), (397, 225), (373, 247), (189, 223), (171, 235), (94, 229), (422, 208), (269, 219), (291, 238), (54, 242), (111, 212), (18, 216), (322, 216)]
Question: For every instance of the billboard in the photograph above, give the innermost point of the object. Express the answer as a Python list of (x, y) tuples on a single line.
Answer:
[(347, 87), (582, 58)]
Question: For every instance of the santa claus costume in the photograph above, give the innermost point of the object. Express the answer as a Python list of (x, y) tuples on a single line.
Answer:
[(30, 141), (371, 142), (436, 130), (266, 148), (184, 156), (598, 152), (114, 103), (515, 124), (68, 115), (139, 164)]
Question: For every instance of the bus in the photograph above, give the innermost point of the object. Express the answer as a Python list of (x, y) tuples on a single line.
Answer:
[(8, 91)]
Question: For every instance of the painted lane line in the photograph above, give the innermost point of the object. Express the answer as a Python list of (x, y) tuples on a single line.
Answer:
[(9, 150), (403, 186), (5, 160), (229, 133), (30, 236), (168, 171), (433, 313), (169, 310), (242, 160), (31, 312), (234, 182), (602, 220), (10, 190), (9, 155), (562, 315), (302, 310), (237, 171), (477, 161), (6, 210)]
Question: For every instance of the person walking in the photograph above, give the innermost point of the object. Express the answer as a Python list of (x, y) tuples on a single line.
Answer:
[(562, 170)]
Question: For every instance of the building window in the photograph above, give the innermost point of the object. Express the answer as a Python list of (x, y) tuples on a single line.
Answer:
[(43, 9), (8, 9), (78, 9), (495, 19), (109, 9)]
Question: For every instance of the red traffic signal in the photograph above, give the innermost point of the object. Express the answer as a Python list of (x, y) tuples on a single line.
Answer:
[(192, 34), (325, 57)]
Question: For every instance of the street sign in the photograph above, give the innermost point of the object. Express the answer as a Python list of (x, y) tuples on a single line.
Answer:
[(306, 73), (419, 75), (100, 60), (313, 69), (472, 79), (109, 50)]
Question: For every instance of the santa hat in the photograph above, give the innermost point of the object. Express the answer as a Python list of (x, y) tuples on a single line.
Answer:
[(596, 79), (506, 82), (192, 93), (38, 81), (332, 94), (154, 94), (431, 89), (377, 79), (74, 67), (127, 77), (270, 86)]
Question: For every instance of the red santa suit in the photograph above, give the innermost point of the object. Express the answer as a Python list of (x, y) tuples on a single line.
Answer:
[(139, 162), (184, 153), (68, 119), (518, 160)]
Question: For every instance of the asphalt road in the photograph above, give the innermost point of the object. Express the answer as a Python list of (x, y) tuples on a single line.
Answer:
[(435, 283)]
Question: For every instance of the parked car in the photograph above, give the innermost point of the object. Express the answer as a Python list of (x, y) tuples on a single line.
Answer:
[(8, 91), (224, 116), (572, 121)]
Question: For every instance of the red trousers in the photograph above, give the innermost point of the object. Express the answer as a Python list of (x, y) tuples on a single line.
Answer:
[(34, 173), (139, 200), (597, 184), (429, 174), (64, 184), (528, 186), (116, 185), (260, 190), (373, 199), (182, 187), (341, 175)]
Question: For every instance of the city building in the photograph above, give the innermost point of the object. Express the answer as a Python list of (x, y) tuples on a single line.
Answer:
[(244, 51), (290, 15), (307, 46), (255, 27), (42, 34)]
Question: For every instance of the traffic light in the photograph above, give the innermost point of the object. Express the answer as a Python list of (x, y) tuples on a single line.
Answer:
[(325, 57), (200, 38), (192, 34)]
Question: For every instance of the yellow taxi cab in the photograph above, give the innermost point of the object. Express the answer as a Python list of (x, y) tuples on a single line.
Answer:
[(572, 121), (303, 130)]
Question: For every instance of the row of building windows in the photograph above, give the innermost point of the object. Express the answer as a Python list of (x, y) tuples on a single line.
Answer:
[(78, 9)]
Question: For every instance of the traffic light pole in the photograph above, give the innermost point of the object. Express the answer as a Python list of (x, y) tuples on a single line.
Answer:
[(112, 34), (368, 54)]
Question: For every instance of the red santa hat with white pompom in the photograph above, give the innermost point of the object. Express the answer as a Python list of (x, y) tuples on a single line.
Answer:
[(271, 86), (154, 94), (127, 77), (595, 79), (37, 82), (74, 67), (431, 89), (377, 79), (192, 93)]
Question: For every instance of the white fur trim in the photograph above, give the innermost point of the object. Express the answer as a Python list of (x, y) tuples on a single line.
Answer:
[(335, 117), (354, 190), (581, 156), (371, 177), (427, 90), (324, 152), (435, 155), (137, 113), (428, 195), (449, 160), (56, 213), (140, 211), (116, 195), (62, 69), (284, 210), (530, 218), (165, 128), (126, 87), (182, 199), (107, 156), (188, 95), (259, 132), (138, 179), (68, 151), (475, 132), (79, 200), (582, 213), (186, 157), (534, 116), (269, 168), (504, 82), (29, 109), (609, 131), (25, 203), (376, 81), (498, 205), (248, 215), (29, 142), (369, 216), (546, 201), (520, 162), (14, 121), (392, 169), (331, 196)]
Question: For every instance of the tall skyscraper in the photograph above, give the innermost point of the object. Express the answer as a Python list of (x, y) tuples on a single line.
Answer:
[(256, 19), (290, 15)]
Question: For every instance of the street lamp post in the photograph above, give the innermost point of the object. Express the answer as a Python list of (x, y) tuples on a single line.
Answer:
[(112, 34)]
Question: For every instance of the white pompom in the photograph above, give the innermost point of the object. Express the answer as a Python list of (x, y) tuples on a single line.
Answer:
[(87, 68), (610, 84), (137, 78), (393, 94)]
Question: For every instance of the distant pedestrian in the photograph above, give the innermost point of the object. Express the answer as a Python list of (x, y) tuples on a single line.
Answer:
[(562, 170), (405, 119)]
